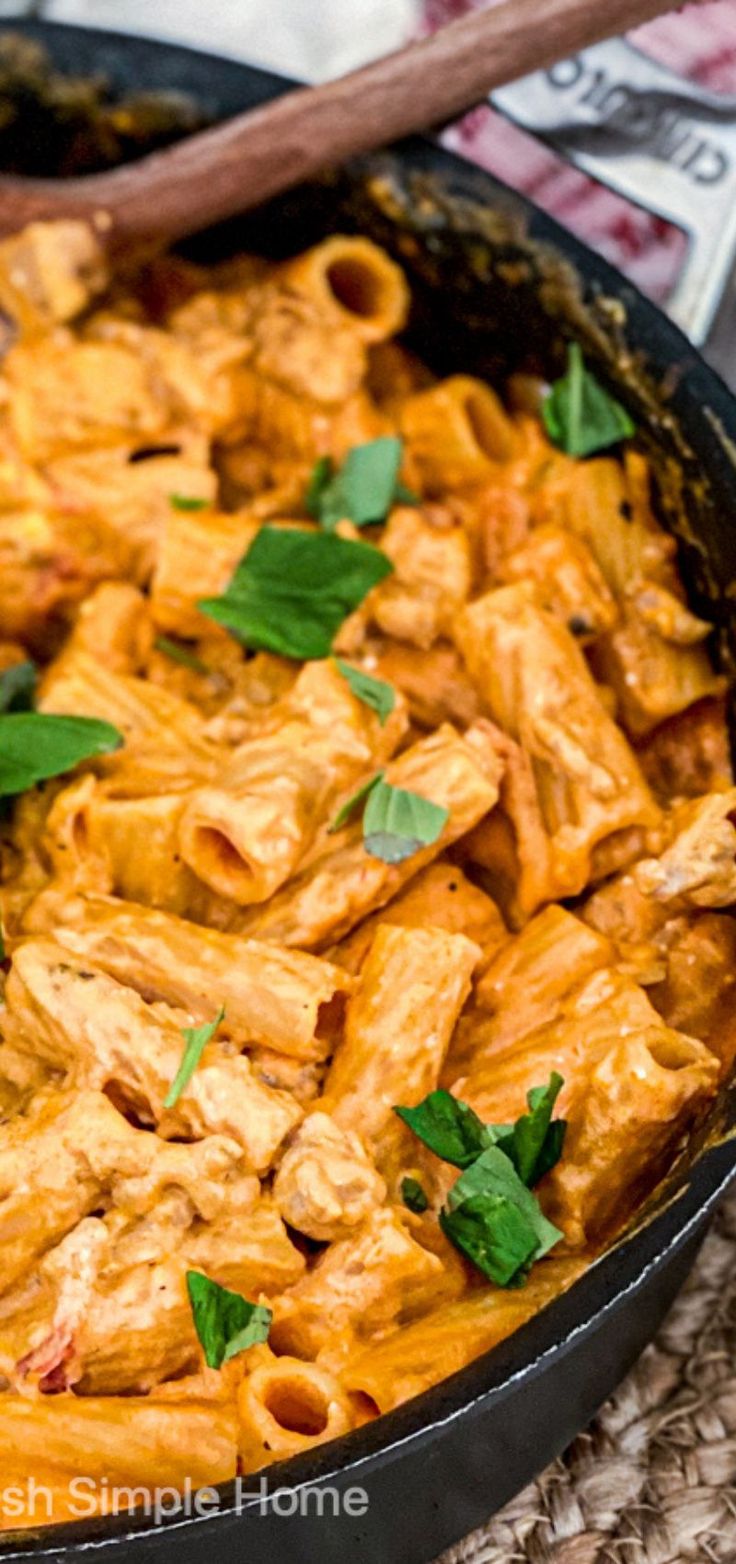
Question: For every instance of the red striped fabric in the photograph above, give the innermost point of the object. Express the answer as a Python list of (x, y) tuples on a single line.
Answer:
[(699, 42)]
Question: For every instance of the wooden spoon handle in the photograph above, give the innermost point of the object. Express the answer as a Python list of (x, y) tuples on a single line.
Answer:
[(236, 165)]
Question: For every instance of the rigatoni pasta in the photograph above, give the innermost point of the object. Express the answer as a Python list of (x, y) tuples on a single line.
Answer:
[(368, 860)]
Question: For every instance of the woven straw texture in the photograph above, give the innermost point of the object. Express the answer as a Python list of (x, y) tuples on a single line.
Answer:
[(653, 1480)]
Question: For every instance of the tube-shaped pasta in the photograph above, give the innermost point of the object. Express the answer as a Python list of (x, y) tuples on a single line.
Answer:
[(625, 540), (456, 433), (81, 684), (695, 994), (360, 1285), (639, 1098), (653, 675), (104, 1035), (569, 581), (136, 1328), (524, 984), (431, 580), (286, 1406), (140, 1441), (353, 278), (343, 883), (245, 836), (94, 843), (113, 626), (65, 394), (456, 905), (286, 1000), (196, 556), (129, 488), (398, 1026), (434, 682), (411, 1359), (535, 682), (631, 1084)]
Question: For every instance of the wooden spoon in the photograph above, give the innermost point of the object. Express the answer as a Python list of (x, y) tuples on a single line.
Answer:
[(236, 165)]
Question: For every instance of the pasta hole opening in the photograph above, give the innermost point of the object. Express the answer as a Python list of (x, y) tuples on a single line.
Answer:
[(213, 847), (330, 1016), (79, 832), (670, 1054), (484, 422), (135, 1109), (365, 1409), (356, 287), (297, 1408)]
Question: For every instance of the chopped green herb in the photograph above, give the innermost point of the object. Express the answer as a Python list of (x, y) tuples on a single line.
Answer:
[(293, 590), (353, 803), (491, 1214), (196, 1039), (225, 1322), (397, 823), (495, 1221), (320, 479), (363, 489), (453, 1131), (376, 693), (579, 415), (35, 746), (180, 654), (18, 687), (534, 1143), (448, 1127), (189, 502), (413, 1196)]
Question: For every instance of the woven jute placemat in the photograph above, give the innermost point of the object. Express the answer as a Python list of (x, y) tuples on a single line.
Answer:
[(653, 1480)]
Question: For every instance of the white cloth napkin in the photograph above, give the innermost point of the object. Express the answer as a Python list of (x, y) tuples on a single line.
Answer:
[(309, 39)]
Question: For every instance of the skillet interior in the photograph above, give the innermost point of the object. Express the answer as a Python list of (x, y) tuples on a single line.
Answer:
[(497, 285)]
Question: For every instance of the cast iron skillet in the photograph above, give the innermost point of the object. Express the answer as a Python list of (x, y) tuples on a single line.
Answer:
[(497, 285)]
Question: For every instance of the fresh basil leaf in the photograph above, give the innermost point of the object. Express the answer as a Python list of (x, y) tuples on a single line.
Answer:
[(35, 745), (376, 693), (188, 502), (353, 803), (364, 488), (496, 1221), (196, 1039), (413, 1196), (450, 1128), (18, 687), (293, 590), (494, 1235), (321, 476), (537, 1142), (225, 1322), (397, 824), (179, 654), (579, 415)]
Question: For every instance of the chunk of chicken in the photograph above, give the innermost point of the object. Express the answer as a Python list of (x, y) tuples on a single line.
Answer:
[(327, 1183), (74, 1151), (105, 1036)]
